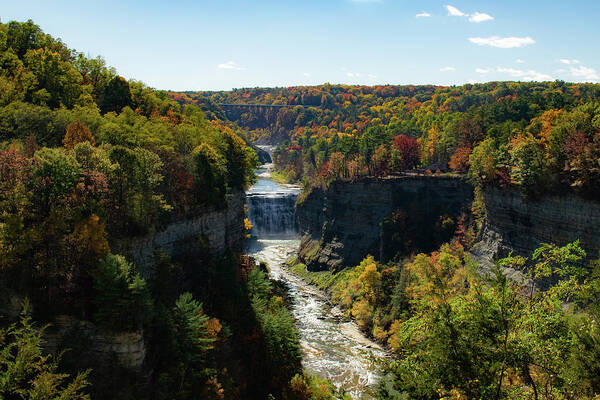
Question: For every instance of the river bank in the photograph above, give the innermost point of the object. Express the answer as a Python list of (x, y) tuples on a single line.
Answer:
[(333, 347)]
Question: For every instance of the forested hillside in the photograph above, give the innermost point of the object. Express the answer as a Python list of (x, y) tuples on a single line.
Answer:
[(89, 160), (539, 136)]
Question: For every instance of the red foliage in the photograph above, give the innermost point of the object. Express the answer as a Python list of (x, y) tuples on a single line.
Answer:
[(324, 170), (14, 168), (575, 144), (409, 150)]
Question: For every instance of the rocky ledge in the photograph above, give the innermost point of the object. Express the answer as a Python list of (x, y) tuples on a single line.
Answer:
[(348, 220), (519, 225)]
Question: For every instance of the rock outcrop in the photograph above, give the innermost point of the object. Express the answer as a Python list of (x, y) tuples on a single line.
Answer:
[(345, 222), (125, 348), (520, 225), (217, 229)]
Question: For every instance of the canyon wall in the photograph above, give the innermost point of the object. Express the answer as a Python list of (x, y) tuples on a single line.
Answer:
[(516, 224), (346, 221), (217, 230), (340, 225)]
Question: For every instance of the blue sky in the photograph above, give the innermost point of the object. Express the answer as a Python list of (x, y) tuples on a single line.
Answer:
[(224, 44)]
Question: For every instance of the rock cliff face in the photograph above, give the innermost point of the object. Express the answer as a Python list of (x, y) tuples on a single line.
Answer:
[(126, 348), (343, 223), (516, 224), (219, 230)]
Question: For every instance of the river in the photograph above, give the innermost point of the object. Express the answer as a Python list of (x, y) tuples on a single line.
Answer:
[(332, 346)]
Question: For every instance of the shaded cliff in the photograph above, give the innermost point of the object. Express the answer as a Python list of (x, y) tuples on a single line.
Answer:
[(514, 223), (215, 229), (405, 214)]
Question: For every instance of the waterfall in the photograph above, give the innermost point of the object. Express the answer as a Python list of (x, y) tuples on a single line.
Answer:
[(271, 206), (272, 213)]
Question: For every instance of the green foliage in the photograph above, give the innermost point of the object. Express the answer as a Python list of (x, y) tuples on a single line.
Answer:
[(278, 329), (57, 174), (133, 160), (309, 387), (209, 171), (121, 296), (483, 162), (191, 332), (26, 373), (479, 335), (528, 164), (116, 95)]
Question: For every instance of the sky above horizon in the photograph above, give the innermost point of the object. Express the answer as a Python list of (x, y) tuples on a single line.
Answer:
[(219, 45)]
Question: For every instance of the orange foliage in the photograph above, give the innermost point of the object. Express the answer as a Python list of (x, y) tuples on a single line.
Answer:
[(77, 133), (459, 162)]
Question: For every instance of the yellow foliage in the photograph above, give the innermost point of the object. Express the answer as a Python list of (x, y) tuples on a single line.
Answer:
[(394, 339), (300, 388), (213, 390), (247, 226), (362, 313), (90, 236), (370, 279), (440, 275), (380, 333), (213, 327)]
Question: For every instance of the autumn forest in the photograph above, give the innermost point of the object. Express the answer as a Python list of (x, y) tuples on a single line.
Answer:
[(134, 224)]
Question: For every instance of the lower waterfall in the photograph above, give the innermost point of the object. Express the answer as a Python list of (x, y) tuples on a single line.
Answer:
[(273, 214)]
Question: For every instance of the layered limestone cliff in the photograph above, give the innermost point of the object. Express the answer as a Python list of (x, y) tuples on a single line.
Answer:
[(346, 221), (216, 229), (125, 348), (520, 225)]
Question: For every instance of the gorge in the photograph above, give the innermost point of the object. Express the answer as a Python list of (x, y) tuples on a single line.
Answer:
[(332, 346)]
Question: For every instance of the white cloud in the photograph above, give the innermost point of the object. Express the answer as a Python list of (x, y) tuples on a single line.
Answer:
[(529, 75), (455, 12), (447, 69), (475, 17), (231, 65), (578, 71), (586, 73), (423, 15), (502, 42), (483, 71), (480, 17), (472, 81), (371, 76), (568, 62), (353, 74), (519, 61), (306, 74)]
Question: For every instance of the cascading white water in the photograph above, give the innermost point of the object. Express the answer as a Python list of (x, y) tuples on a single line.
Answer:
[(332, 347), (271, 207), (272, 214)]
